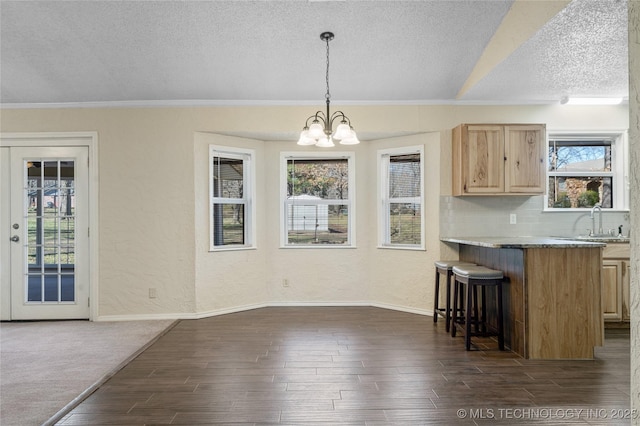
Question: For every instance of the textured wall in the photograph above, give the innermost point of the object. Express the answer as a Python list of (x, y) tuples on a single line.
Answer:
[(227, 279), (634, 151), (153, 220), (410, 270)]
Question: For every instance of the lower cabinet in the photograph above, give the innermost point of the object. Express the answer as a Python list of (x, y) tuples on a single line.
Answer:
[(615, 282)]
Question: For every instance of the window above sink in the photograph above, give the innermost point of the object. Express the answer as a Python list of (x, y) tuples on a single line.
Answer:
[(584, 169)]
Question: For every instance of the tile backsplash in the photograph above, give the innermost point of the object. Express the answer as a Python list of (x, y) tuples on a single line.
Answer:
[(490, 216)]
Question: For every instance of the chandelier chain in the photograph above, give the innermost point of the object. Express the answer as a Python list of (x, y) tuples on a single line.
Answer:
[(328, 95), (318, 129)]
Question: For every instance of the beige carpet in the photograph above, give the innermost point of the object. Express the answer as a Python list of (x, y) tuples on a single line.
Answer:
[(46, 366)]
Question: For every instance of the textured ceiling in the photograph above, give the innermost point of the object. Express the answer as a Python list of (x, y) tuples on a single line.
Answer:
[(269, 52)]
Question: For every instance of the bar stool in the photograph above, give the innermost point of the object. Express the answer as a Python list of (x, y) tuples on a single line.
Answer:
[(445, 267), (474, 277)]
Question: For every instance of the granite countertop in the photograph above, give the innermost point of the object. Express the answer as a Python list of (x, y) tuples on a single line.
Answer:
[(522, 242)]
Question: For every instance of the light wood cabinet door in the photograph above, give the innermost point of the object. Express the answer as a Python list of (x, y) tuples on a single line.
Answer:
[(525, 159), (616, 272), (612, 271), (499, 159), (483, 159)]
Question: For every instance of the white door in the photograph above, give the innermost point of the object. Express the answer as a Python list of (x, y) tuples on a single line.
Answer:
[(5, 244), (47, 232)]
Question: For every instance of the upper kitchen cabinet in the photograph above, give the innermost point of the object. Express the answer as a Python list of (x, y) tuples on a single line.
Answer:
[(499, 159)]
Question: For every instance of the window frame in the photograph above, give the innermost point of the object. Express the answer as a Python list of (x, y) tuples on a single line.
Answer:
[(248, 190), (619, 169), (384, 201), (350, 202)]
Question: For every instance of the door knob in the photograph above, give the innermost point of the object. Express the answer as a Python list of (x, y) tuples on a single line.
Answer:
[(15, 238)]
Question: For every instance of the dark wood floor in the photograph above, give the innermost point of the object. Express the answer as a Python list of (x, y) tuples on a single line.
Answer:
[(352, 366)]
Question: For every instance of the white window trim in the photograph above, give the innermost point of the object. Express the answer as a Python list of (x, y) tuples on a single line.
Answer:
[(248, 156), (383, 199), (620, 174), (351, 202)]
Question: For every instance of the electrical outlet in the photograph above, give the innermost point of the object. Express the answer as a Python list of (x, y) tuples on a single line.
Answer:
[(285, 282), (153, 293), (513, 219)]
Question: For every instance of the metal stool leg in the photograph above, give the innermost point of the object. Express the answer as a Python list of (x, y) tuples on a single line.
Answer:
[(475, 307), (448, 304), (467, 323), (454, 312), (483, 307), (500, 318), (436, 302)]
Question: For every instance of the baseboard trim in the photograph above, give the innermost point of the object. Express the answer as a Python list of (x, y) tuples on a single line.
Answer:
[(317, 304), (235, 309), (146, 317), (400, 308)]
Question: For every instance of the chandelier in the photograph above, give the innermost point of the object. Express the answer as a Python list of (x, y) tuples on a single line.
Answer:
[(320, 131)]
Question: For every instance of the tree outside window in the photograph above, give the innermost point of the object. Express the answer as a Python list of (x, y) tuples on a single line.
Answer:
[(581, 173), (318, 203)]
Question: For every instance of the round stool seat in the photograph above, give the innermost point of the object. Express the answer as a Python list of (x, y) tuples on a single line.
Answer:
[(448, 264), (477, 272)]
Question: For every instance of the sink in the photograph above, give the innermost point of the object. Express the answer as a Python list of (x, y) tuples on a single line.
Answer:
[(603, 238), (597, 238)]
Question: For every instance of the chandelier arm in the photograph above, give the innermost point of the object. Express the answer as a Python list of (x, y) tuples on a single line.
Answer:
[(306, 123), (318, 116), (339, 114)]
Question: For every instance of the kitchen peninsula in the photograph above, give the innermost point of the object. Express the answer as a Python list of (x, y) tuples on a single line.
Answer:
[(552, 296)]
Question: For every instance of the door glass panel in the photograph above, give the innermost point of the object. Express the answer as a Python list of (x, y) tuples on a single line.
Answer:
[(34, 290), (50, 228), (50, 246), (51, 289), (67, 254), (67, 287), (32, 255)]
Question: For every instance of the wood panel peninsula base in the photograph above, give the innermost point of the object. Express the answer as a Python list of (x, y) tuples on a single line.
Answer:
[(552, 294)]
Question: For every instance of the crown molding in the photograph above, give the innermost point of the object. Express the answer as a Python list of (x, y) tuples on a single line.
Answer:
[(263, 103)]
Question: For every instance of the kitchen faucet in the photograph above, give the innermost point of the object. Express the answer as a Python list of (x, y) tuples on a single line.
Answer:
[(593, 219)]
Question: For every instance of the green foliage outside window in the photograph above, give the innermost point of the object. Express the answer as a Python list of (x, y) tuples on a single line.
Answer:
[(563, 201), (588, 199)]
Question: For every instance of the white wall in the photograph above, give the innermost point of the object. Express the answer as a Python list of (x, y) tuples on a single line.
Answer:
[(153, 215), (402, 278), (634, 150), (235, 279)]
